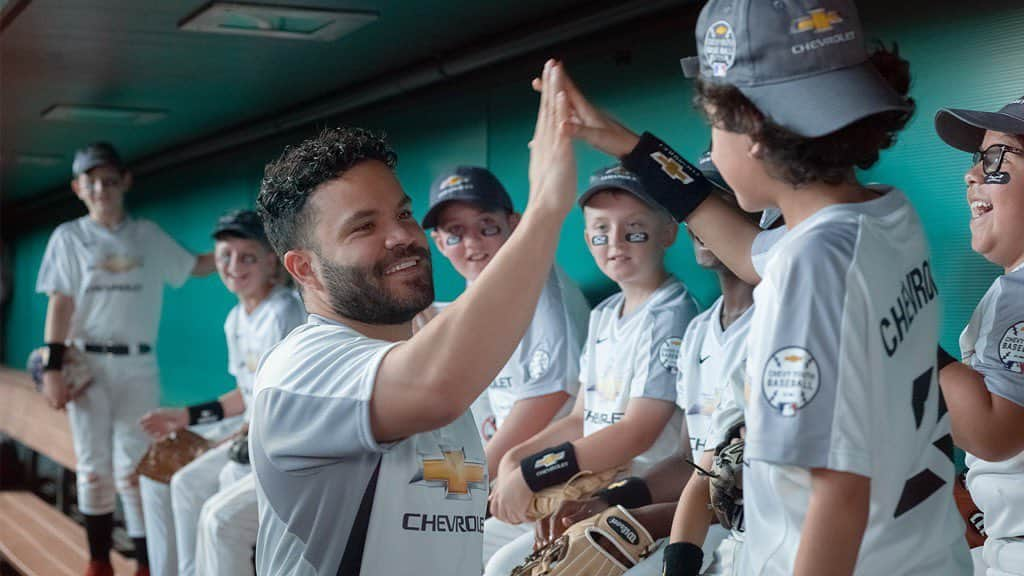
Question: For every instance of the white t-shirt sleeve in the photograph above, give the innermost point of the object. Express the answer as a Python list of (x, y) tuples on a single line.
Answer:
[(799, 371), (229, 335), (326, 416), (1000, 348), (59, 271), (656, 362), (546, 352), (729, 411), (762, 245), (174, 262)]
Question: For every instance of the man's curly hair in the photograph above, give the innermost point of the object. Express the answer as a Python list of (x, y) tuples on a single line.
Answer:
[(289, 181)]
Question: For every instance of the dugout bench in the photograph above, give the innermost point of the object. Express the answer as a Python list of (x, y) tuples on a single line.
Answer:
[(35, 537)]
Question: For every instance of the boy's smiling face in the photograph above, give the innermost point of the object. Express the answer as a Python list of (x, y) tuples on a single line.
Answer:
[(626, 237)]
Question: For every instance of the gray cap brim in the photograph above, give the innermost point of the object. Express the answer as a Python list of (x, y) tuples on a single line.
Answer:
[(818, 105), (430, 219), (965, 129)]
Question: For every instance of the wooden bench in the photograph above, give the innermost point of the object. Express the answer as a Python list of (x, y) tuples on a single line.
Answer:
[(35, 537)]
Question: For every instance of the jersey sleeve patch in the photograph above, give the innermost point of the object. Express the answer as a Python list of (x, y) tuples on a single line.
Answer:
[(1011, 348), (668, 353), (790, 380), (540, 363)]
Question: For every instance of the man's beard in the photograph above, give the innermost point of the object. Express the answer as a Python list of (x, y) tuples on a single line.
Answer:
[(353, 294)]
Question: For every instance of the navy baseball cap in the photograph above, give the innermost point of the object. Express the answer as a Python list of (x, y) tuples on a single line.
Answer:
[(241, 223), (616, 177), (471, 184), (803, 63), (965, 129), (94, 155)]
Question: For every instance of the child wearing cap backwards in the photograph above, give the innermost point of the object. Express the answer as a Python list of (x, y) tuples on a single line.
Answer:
[(985, 393), (848, 442), (470, 218), (104, 274), (205, 521), (626, 413)]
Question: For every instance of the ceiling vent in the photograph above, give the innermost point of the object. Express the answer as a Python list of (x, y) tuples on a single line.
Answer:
[(276, 21), (103, 114)]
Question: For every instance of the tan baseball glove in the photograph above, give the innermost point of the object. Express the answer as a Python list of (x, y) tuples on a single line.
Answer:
[(582, 485), (607, 544), (726, 482), (167, 456), (76, 372)]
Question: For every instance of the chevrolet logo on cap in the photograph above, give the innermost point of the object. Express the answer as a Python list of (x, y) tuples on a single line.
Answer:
[(455, 473), (453, 180), (818, 20)]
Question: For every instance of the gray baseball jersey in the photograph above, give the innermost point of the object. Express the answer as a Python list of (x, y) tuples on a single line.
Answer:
[(251, 335), (547, 358), (842, 371), (711, 361), (635, 357), (116, 277), (993, 344), (329, 491)]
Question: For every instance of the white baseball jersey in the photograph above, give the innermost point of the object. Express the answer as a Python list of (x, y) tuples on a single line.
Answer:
[(635, 357), (711, 361), (251, 335), (324, 484), (842, 371), (116, 277), (547, 359), (993, 344)]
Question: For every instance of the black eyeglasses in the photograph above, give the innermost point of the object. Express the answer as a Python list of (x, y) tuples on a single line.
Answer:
[(991, 158)]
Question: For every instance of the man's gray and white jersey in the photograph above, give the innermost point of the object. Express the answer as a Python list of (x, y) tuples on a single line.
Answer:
[(711, 362), (315, 458), (993, 344), (547, 359), (842, 371), (250, 335), (115, 276), (635, 357)]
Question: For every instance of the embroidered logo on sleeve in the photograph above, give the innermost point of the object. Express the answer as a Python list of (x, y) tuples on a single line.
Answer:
[(1011, 348), (790, 380), (539, 364), (668, 353)]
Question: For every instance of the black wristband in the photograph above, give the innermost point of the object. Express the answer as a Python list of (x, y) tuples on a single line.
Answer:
[(55, 357), (678, 186), (629, 492), (205, 413), (682, 559), (944, 358), (550, 467)]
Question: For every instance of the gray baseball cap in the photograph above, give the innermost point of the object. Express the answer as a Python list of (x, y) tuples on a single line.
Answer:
[(965, 129), (94, 155), (467, 184), (803, 64), (241, 223)]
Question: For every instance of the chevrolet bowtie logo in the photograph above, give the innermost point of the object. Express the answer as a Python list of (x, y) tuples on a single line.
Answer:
[(452, 181), (671, 167), (549, 460), (454, 472), (818, 20), (794, 358)]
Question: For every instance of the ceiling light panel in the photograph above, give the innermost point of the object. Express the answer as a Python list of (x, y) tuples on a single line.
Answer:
[(103, 114), (276, 21)]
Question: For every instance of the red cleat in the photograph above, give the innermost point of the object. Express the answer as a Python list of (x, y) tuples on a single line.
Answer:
[(97, 568)]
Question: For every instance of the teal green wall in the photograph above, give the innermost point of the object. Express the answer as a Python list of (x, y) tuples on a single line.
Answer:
[(489, 123)]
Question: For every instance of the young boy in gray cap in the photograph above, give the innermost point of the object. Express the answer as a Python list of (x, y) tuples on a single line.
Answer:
[(470, 218), (104, 274), (985, 392), (205, 520)]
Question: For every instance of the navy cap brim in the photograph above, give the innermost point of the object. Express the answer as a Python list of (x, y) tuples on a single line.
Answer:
[(965, 129), (430, 218), (814, 106), (603, 186), (237, 230)]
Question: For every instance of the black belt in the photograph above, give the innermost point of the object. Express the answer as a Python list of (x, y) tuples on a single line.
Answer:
[(117, 349)]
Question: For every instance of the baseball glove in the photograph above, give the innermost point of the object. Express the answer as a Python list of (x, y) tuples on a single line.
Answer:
[(606, 544), (974, 518), (239, 450), (167, 456), (76, 372), (583, 485), (726, 482)]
